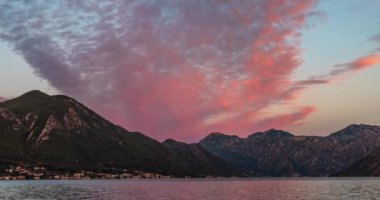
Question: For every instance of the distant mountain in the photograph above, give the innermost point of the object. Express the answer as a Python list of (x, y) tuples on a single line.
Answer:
[(278, 153), (61, 133), (197, 160), (368, 166)]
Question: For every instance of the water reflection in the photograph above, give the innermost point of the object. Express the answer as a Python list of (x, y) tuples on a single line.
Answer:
[(209, 189)]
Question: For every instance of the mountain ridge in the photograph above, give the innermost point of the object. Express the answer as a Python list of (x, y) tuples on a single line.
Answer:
[(61, 133), (278, 153)]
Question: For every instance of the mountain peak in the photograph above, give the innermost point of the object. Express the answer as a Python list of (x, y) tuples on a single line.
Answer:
[(27, 101), (173, 143), (220, 137), (35, 94), (354, 131), (272, 133), (358, 126), (216, 134), (275, 132)]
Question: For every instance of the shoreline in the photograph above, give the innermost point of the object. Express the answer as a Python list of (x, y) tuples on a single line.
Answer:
[(208, 178)]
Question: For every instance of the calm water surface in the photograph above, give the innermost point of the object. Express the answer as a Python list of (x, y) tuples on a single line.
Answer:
[(218, 189)]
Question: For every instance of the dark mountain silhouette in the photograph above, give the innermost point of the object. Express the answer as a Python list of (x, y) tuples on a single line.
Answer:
[(61, 133), (368, 166), (195, 158), (278, 153)]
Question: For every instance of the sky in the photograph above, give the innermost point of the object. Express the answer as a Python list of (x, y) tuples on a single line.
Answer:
[(182, 69)]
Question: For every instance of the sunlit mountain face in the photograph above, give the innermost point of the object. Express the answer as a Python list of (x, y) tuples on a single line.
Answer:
[(182, 69)]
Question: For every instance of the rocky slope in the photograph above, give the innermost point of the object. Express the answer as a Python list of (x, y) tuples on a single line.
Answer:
[(59, 132), (368, 166), (278, 153), (196, 159)]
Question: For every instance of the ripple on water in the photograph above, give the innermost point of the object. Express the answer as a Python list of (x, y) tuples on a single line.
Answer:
[(209, 189)]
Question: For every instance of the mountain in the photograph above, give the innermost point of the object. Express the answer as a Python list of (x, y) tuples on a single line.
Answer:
[(197, 160), (60, 133), (368, 166), (278, 153)]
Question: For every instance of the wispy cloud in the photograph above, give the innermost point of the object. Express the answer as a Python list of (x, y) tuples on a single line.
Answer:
[(364, 62), (359, 64), (376, 38), (284, 120)]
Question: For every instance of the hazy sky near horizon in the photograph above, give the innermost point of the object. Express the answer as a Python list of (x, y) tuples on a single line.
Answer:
[(182, 69)]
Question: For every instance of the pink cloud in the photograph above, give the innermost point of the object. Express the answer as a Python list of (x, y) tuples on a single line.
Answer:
[(365, 62), (163, 69), (359, 64)]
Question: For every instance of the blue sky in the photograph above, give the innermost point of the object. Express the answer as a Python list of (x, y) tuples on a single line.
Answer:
[(343, 36)]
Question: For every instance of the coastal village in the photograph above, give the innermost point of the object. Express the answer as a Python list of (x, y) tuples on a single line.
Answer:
[(37, 173)]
